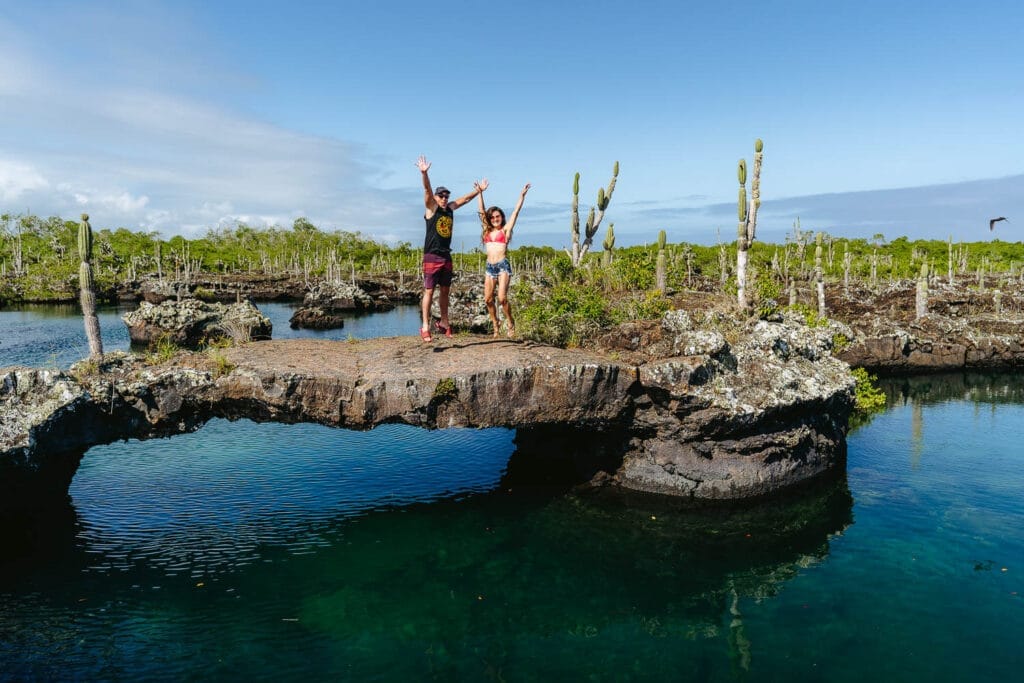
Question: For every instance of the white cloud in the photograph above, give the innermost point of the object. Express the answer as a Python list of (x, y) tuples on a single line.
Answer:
[(17, 178), (162, 160)]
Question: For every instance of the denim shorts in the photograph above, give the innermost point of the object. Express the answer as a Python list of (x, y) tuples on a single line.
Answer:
[(493, 269)]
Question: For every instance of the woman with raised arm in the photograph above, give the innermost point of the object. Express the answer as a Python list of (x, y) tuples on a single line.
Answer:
[(496, 234)]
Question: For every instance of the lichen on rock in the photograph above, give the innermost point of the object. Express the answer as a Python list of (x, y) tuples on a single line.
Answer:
[(189, 323)]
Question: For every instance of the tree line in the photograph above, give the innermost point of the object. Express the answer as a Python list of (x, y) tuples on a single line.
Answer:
[(39, 260)]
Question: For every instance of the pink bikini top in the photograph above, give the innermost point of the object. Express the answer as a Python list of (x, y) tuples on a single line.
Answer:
[(495, 236)]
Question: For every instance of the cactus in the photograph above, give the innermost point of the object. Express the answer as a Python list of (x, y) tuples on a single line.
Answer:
[(747, 214), (576, 209), (688, 255), (723, 264), (922, 293), (660, 277), (608, 244), (742, 212), (949, 259), (847, 265), (159, 260), (88, 293), (819, 278), (604, 197)]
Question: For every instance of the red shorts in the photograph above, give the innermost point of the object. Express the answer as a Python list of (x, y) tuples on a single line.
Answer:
[(437, 271)]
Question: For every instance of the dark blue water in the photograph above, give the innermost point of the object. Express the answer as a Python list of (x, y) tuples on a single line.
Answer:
[(254, 551)]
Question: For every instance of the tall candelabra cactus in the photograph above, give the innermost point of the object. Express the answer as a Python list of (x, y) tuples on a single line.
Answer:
[(660, 268), (88, 293), (747, 229), (593, 218), (609, 245)]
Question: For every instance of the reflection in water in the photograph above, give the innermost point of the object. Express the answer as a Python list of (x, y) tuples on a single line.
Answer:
[(492, 572), (916, 433), (739, 644), (973, 387), (977, 388)]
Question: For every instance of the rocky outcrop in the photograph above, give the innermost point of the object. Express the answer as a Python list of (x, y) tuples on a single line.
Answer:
[(323, 304), (315, 318), (189, 323), (48, 419), (394, 288), (965, 327), (715, 421), (935, 343), (721, 422), (225, 288), (340, 296)]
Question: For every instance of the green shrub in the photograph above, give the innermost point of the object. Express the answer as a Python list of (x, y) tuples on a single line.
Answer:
[(870, 399), (810, 316), (445, 390), (567, 315), (634, 270), (646, 306), (766, 296), (204, 294), (560, 268)]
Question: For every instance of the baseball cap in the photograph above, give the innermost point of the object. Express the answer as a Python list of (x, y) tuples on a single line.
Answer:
[(441, 189)]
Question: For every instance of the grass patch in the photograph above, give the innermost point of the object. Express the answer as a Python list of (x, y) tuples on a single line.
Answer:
[(221, 365), (162, 350)]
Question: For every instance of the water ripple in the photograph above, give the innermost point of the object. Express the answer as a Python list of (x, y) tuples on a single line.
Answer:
[(209, 501)]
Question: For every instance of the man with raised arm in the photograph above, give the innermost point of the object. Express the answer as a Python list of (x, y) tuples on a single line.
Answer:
[(437, 247)]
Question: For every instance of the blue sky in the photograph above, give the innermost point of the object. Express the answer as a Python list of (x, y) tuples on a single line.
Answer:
[(877, 117)]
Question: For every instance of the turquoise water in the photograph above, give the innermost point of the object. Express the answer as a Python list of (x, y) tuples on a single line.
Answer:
[(254, 551)]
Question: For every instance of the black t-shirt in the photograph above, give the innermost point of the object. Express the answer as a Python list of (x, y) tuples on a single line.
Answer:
[(439, 233)]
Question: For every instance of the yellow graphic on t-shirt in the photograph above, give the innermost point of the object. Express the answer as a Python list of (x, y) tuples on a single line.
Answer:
[(444, 226)]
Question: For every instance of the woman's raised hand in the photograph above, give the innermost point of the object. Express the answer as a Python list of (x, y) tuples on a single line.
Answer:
[(526, 188), (483, 184)]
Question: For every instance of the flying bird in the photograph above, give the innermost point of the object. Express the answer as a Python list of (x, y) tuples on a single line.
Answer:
[(992, 223)]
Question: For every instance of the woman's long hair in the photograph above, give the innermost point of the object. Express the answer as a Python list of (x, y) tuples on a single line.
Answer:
[(485, 220)]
